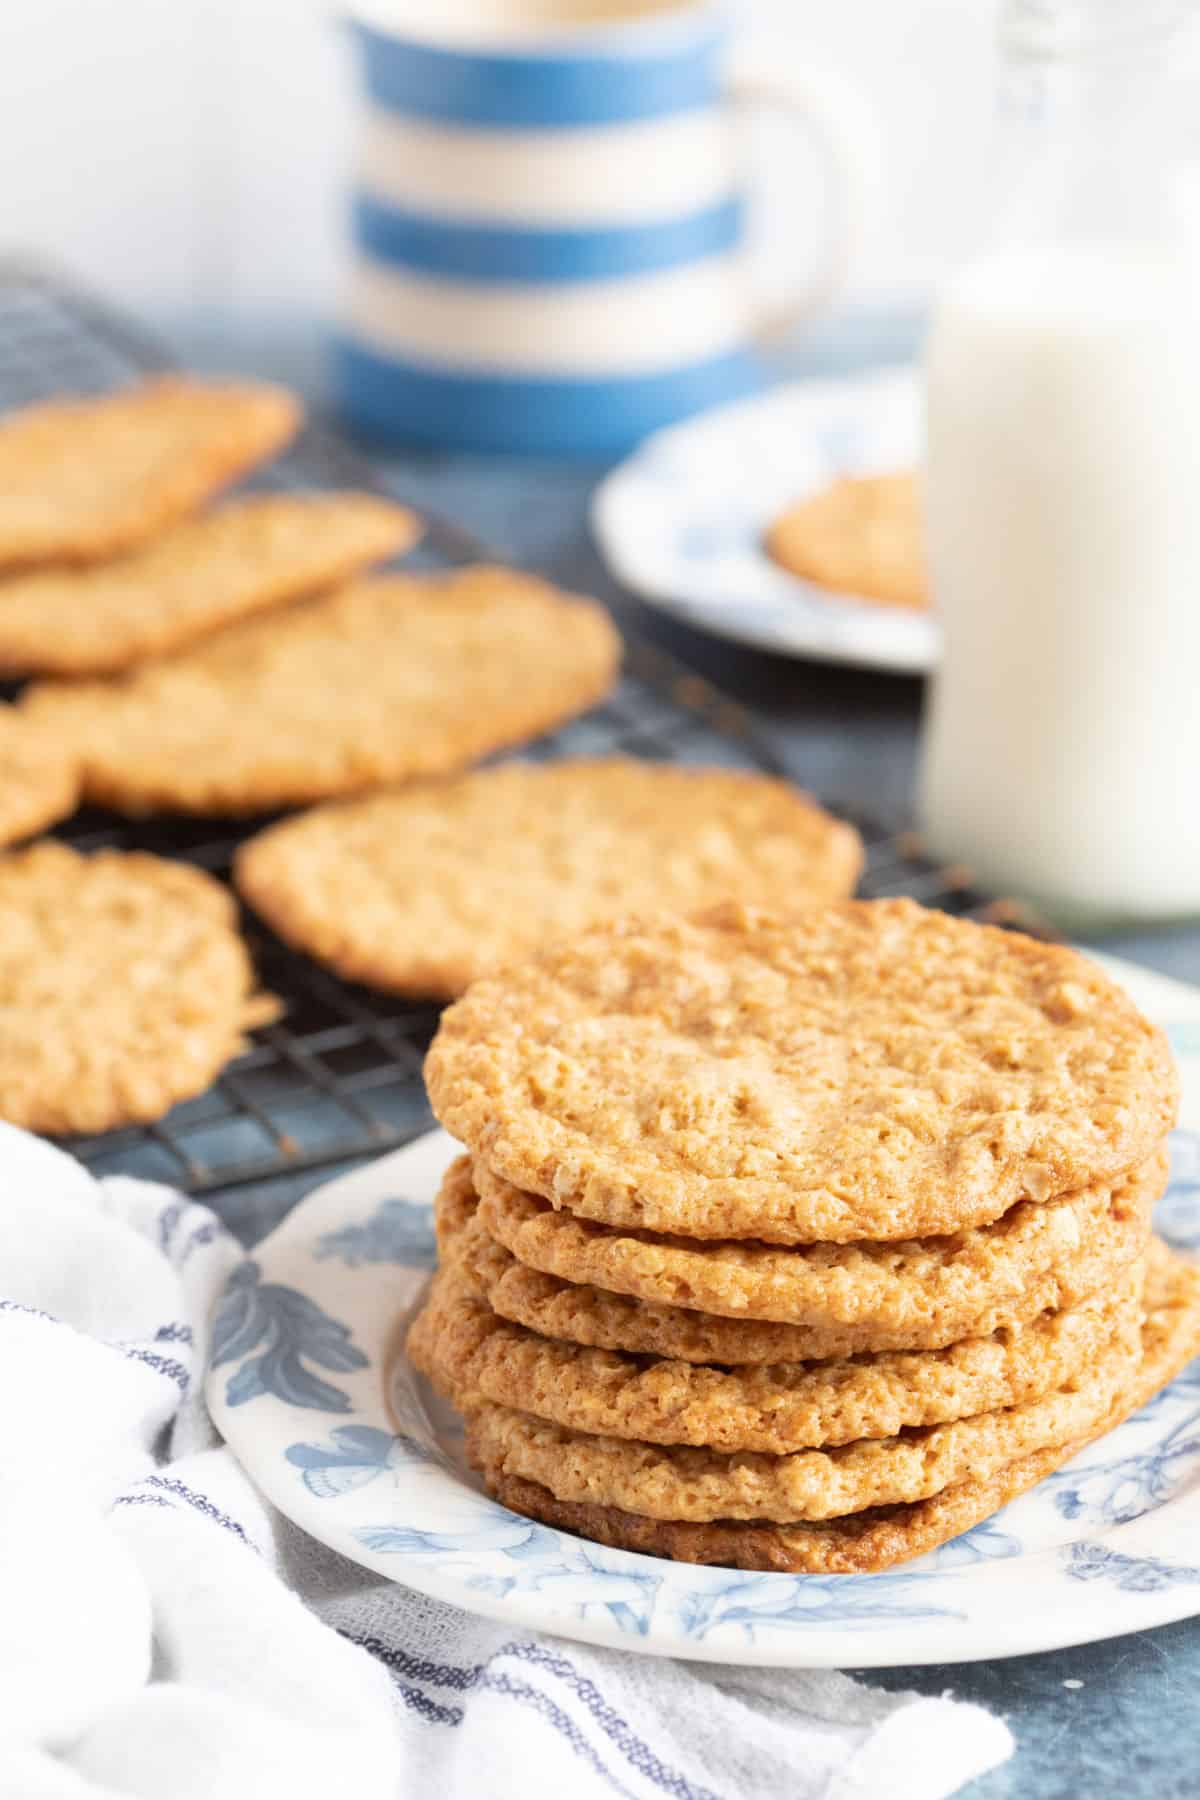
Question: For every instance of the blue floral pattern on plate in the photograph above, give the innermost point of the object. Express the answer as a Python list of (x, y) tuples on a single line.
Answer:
[(1106, 1545), (1123, 1488), (985, 1542), (354, 1455), (290, 1326), (398, 1231), (1136, 1574), (1177, 1215), (750, 1603)]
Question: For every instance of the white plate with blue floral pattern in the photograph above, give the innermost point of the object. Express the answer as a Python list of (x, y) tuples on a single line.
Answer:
[(682, 521), (308, 1341)]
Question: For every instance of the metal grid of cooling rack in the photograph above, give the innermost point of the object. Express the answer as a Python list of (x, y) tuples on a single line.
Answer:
[(339, 1075)]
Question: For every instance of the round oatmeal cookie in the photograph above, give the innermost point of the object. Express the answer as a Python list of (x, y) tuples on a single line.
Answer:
[(863, 535), (381, 681), (39, 780), (474, 1357), (674, 1482), (923, 1289), (124, 987), (86, 477), (245, 557), (862, 1543), (423, 890), (866, 1070), (584, 1314)]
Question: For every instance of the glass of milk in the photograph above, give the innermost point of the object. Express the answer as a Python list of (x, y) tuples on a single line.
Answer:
[(1062, 750)]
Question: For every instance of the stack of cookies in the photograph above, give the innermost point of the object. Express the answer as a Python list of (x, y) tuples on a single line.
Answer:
[(797, 1243)]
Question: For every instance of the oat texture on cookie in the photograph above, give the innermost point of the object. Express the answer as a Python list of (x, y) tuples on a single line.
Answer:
[(477, 1357), (691, 1484), (39, 779), (423, 889), (124, 987), (878, 1537), (751, 1302), (797, 1241), (83, 479), (867, 1070), (862, 535), (238, 559), (581, 1313), (384, 680), (921, 1292)]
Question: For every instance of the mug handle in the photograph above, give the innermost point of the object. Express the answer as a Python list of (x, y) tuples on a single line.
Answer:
[(832, 111)]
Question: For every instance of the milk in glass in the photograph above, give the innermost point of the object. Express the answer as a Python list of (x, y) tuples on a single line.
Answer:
[(1062, 752)]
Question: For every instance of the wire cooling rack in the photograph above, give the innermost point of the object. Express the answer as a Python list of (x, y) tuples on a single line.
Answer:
[(340, 1075)]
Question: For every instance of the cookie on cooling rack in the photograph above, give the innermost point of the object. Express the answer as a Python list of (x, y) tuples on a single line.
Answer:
[(421, 890), (124, 987), (82, 479), (200, 574), (39, 779), (381, 681)]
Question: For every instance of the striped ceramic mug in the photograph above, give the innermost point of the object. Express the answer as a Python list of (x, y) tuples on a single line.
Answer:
[(550, 219)]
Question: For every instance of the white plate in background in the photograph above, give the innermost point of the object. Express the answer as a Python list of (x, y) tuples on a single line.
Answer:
[(681, 521)]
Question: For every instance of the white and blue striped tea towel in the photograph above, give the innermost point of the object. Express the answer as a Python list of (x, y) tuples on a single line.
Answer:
[(165, 1634)]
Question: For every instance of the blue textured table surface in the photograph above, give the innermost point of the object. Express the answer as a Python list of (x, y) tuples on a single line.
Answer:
[(1114, 1719)]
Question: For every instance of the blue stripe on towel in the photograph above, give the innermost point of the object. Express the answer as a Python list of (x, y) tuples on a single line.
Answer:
[(405, 402), (552, 89), (473, 251), (406, 1667), (164, 1485)]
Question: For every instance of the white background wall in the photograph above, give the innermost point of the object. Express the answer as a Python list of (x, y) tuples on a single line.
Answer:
[(189, 155)]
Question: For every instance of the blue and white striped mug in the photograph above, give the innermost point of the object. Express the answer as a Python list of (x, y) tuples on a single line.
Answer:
[(550, 216)]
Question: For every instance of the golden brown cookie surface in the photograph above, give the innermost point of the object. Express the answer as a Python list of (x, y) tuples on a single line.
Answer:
[(929, 1290), (382, 681), (87, 478), (580, 1313), (881, 1537), (701, 1485), (475, 1357), (422, 890), (124, 987), (200, 574), (867, 1070), (863, 535), (39, 781)]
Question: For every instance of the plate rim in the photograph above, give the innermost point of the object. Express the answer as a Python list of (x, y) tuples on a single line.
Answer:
[(721, 619), (377, 1309)]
